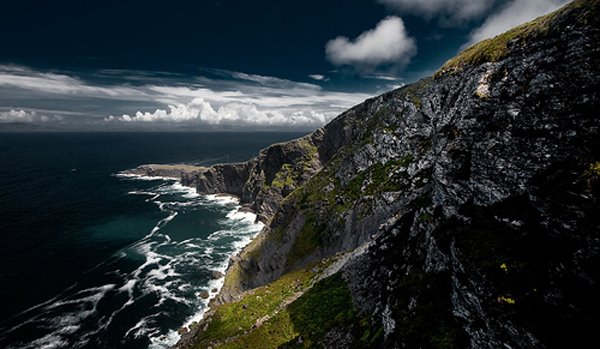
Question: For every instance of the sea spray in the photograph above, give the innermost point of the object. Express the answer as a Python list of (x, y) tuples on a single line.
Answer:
[(243, 236)]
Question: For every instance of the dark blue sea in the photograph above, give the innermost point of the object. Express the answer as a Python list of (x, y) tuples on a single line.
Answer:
[(90, 259)]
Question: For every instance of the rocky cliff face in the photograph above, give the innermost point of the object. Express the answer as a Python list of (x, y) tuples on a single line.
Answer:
[(460, 211)]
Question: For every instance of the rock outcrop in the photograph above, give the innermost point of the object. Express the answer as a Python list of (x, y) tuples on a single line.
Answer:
[(459, 211)]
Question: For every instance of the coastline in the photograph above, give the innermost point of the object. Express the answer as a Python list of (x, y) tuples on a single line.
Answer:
[(240, 212)]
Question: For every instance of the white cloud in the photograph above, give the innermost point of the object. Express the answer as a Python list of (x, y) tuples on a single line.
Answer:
[(248, 99), (382, 77), (60, 84), (272, 81), (450, 12), (238, 114), (387, 44), (512, 14), (21, 115), (317, 77), (15, 115)]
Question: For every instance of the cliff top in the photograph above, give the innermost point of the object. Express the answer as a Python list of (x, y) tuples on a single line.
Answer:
[(498, 47)]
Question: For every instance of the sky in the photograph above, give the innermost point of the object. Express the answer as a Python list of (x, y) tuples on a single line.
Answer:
[(189, 65)]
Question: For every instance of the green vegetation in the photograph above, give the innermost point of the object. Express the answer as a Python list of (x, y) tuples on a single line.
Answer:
[(371, 337), (291, 175), (494, 49), (272, 334), (595, 168), (506, 300), (234, 319), (380, 178), (308, 241), (414, 91), (325, 190), (326, 304), (426, 217), (285, 177)]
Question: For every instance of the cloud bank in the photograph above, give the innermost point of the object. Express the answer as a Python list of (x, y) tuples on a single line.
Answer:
[(233, 114), (512, 14), (450, 12), (386, 44), (15, 115), (233, 99), (21, 115)]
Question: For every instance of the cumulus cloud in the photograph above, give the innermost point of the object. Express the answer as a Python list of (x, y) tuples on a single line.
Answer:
[(450, 12), (21, 115), (387, 44), (512, 14), (238, 114), (16, 115)]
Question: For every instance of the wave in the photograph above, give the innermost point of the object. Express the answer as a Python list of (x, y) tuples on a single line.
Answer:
[(136, 177), (157, 278)]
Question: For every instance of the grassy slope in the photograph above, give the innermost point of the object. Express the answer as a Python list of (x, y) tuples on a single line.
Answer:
[(288, 312), (494, 49)]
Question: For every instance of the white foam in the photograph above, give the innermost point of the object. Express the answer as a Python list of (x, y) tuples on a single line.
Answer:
[(245, 235), (164, 341), (222, 199), (50, 341), (131, 176), (161, 272), (242, 215)]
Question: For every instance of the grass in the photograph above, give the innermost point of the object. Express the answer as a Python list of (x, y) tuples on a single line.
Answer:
[(494, 49), (376, 179), (289, 175), (327, 304), (307, 242), (234, 319), (336, 200), (275, 332), (285, 177)]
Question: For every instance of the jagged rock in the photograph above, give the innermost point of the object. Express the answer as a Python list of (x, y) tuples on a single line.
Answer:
[(491, 162), (204, 294)]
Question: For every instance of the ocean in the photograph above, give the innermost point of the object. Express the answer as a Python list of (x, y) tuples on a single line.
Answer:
[(91, 259)]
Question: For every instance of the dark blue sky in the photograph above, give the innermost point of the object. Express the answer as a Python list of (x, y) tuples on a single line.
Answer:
[(221, 47), (267, 37)]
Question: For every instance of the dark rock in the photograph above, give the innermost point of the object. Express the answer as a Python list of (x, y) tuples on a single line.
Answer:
[(215, 274), (488, 163)]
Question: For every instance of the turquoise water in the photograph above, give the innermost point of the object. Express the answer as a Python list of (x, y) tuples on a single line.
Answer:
[(90, 259)]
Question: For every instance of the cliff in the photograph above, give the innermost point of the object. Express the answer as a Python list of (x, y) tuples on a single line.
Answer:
[(459, 211)]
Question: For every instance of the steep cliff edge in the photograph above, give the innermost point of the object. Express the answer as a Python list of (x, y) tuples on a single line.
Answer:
[(459, 211)]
